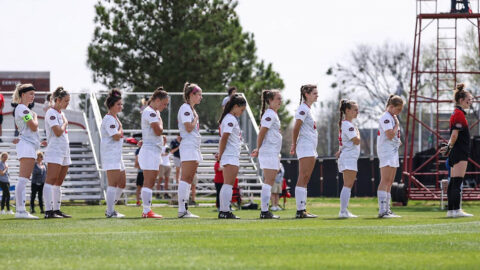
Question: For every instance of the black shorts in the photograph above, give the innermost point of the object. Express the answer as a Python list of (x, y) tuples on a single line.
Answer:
[(1, 119), (140, 179), (457, 155)]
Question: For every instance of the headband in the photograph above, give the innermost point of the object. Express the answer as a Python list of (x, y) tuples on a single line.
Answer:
[(24, 90)]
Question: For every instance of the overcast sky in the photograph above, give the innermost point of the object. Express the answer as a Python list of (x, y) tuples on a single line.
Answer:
[(301, 38)]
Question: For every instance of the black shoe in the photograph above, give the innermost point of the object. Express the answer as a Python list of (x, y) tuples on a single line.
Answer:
[(227, 215), (304, 214), (51, 214), (60, 213), (41, 211), (32, 211), (268, 215)]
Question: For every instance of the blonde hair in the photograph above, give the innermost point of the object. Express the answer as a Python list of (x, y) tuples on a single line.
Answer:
[(39, 154), (3, 154), (16, 97)]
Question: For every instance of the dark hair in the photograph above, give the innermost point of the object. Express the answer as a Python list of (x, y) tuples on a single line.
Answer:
[(267, 96), (189, 88), (113, 96), (344, 105), (394, 100), (49, 97), (59, 93), (234, 100), (460, 93), (231, 89), (158, 93), (306, 89)]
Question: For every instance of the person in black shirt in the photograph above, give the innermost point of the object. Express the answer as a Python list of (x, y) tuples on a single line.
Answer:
[(174, 146), (458, 149)]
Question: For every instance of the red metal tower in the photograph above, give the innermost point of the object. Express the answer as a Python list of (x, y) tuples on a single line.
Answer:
[(443, 75)]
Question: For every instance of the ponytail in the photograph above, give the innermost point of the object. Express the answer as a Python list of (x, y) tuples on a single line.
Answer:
[(460, 93), (306, 89), (158, 93), (234, 100), (189, 88), (19, 90), (394, 100), (267, 96), (344, 105)]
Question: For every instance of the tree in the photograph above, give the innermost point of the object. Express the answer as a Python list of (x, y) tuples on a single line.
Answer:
[(139, 45)]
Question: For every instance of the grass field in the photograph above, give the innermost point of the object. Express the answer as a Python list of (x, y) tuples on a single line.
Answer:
[(422, 239)]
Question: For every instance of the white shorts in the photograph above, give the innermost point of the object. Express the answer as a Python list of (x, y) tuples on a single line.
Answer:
[(149, 158), (107, 166), (188, 153), (63, 160), (26, 150), (306, 151), (230, 160), (269, 161), (389, 160), (347, 164)]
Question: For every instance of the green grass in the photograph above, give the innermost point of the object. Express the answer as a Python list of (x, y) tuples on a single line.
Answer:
[(422, 239)]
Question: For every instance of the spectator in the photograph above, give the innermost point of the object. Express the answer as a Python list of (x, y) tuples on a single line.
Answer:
[(174, 146), (38, 180), (165, 169), (5, 184), (48, 103), (139, 177), (218, 180), (277, 189), (453, 7), (2, 103), (232, 90)]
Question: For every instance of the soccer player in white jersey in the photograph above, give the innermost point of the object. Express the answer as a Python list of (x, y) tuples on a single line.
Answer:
[(57, 154), (388, 142), (229, 151), (149, 157), (269, 145), (190, 155), (349, 142), (111, 152), (304, 144), (28, 143)]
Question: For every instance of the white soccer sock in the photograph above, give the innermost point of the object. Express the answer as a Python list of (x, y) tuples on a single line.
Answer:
[(301, 198), (48, 196), (147, 199), (118, 194), (110, 199), (382, 201), (57, 197), (344, 198), (266, 193), (225, 197), (183, 194), (20, 194), (389, 199)]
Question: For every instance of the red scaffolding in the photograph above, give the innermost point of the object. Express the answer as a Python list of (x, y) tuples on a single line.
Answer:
[(443, 75)]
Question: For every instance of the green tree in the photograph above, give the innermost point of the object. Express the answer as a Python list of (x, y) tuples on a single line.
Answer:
[(139, 45)]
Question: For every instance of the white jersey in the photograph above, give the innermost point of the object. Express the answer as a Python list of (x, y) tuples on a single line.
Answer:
[(225, 100), (384, 145), (272, 143), (108, 146), (26, 133), (192, 138), (56, 144), (347, 147), (165, 158), (308, 135), (234, 144), (150, 139)]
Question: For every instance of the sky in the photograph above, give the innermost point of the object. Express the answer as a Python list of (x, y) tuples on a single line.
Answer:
[(301, 38)]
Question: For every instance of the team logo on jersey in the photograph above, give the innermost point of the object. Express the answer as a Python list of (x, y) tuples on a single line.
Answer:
[(351, 129), (268, 119), (152, 115), (458, 125), (230, 124), (25, 112), (386, 121), (52, 117), (187, 113), (112, 126), (302, 113)]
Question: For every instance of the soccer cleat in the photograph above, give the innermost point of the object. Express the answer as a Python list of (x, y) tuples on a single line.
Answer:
[(151, 214), (304, 214), (10, 212), (385, 215), (346, 214), (3, 212), (227, 215), (393, 215), (461, 213), (60, 213), (51, 214), (450, 213), (268, 215), (115, 214), (187, 214), (24, 215)]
